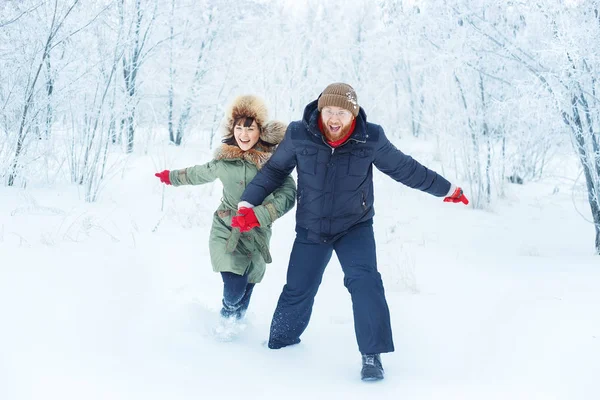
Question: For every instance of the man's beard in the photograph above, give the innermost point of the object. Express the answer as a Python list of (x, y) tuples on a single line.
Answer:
[(332, 137)]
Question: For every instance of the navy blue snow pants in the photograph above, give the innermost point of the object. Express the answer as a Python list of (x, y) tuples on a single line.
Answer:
[(356, 253), (236, 294)]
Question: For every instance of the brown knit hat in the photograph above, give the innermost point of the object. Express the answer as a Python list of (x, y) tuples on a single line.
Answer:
[(339, 95)]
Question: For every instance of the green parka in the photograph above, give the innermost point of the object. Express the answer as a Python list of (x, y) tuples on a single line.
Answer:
[(230, 250)]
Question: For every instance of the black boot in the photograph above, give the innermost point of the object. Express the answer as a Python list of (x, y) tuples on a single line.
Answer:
[(372, 370)]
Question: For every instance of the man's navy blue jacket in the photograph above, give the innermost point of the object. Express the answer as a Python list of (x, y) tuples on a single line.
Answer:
[(335, 185)]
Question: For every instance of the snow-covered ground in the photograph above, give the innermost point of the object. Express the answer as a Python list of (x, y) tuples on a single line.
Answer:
[(116, 300)]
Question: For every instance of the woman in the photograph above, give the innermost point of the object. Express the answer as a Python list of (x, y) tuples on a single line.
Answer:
[(241, 257)]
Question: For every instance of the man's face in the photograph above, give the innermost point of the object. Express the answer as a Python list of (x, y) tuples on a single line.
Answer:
[(336, 120)]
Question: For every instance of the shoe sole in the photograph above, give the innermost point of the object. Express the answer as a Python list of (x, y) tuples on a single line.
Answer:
[(372, 379), (371, 374)]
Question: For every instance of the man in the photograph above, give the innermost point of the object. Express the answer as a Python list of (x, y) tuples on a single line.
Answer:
[(334, 149)]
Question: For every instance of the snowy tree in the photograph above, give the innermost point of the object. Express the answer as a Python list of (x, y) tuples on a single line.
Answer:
[(208, 21), (566, 71), (137, 22), (47, 23)]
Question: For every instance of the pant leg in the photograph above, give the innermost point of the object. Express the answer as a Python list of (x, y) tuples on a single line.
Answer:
[(357, 255), (245, 302), (236, 294), (305, 272)]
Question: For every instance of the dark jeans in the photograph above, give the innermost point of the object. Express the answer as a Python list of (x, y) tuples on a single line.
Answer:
[(236, 294), (356, 252)]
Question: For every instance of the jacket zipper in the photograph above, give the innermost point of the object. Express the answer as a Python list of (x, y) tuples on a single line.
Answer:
[(333, 148)]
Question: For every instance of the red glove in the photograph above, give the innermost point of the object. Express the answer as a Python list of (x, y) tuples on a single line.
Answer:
[(164, 176), (245, 219), (457, 197)]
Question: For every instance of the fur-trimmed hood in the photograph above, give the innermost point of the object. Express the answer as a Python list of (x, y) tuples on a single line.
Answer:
[(253, 107), (256, 155), (273, 132)]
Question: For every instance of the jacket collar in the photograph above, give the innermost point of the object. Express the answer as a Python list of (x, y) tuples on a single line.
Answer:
[(256, 155), (311, 122)]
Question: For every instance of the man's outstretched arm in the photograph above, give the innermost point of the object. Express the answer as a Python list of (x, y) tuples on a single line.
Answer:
[(272, 174), (405, 169)]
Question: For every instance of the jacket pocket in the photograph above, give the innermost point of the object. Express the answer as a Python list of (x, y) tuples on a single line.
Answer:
[(360, 162), (307, 160)]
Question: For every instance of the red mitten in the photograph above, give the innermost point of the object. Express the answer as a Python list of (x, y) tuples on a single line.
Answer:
[(245, 219), (164, 176), (457, 197)]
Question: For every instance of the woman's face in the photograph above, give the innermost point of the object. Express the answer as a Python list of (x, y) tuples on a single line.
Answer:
[(246, 136)]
